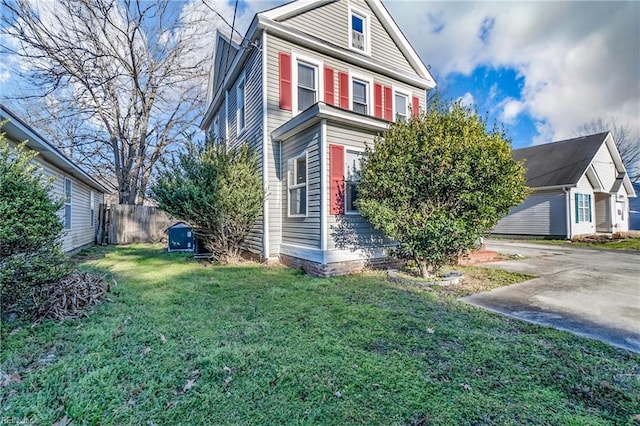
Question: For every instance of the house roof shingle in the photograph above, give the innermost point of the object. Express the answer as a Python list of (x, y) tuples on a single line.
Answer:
[(559, 163)]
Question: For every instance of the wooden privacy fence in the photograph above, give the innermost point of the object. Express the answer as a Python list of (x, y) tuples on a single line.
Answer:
[(122, 224)]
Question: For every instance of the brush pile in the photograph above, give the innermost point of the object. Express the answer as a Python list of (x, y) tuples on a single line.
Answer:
[(69, 297)]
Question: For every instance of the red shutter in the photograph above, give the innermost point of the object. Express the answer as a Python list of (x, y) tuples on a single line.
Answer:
[(285, 81), (336, 179), (377, 100), (388, 104), (415, 106), (343, 87), (329, 89)]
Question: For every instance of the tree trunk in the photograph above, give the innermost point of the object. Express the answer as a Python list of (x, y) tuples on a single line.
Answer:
[(423, 267)]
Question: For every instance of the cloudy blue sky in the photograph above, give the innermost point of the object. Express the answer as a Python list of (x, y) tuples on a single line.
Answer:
[(541, 68)]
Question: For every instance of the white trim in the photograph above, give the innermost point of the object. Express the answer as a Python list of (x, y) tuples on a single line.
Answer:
[(324, 184), (344, 173), (319, 81), (215, 134), (353, 10), (18, 130), (404, 92), (261, 21), (320, 111), (242, 81), (290, 161), (92, 210), (265, 150), (226, 117), (354, 75), (324, 257), (68, 201), (294, 8)]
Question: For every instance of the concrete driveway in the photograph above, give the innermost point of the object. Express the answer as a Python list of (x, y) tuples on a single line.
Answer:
[(593, 293)]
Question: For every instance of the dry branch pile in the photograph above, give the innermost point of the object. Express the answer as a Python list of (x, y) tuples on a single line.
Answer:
[(69, 297)]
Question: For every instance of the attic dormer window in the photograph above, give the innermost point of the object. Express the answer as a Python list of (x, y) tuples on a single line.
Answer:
[(359, 31)]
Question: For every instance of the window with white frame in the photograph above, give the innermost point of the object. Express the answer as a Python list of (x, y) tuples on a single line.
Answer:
[(401, 106), (298, 186), (307, 85), (359, 30), (67, 203), (583, 208), (359, 90), (215, 131), (240, 100), (352, 170), (92, 210)]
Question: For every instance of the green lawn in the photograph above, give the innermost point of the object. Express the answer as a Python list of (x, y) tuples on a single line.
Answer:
[(626, 244), (185, 343)]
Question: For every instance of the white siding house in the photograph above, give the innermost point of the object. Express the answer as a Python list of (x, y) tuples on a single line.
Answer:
[(579, 186), (311, 83), (81, 193)]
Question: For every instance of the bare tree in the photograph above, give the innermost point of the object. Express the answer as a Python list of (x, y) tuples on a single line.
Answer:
[(628, 145), (126, 77)]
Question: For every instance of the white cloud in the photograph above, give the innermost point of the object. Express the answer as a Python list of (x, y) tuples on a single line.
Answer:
[(467, 100), (511, 109), (579, 61)]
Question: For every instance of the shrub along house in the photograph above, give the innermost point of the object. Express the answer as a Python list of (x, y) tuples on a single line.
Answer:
[(81, 193), (313, 82), (579, 186)]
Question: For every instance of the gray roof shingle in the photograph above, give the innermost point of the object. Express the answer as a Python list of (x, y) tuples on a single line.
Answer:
[(559, 163)]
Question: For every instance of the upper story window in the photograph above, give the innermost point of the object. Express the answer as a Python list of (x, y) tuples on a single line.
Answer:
[(401, 106), (298, 186), (307, 85), (360, 99), (241, 114), (359, 38), (67, 203)]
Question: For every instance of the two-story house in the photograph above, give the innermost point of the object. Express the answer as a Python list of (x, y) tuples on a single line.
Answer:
[(310, 84)]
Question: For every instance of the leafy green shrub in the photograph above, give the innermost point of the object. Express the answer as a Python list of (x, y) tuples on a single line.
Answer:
[(216, 191), (439, 182), (30, 253)]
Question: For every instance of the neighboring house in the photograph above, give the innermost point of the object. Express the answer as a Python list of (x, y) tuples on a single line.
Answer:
[(310, 85), (579, 186), (81, 193)]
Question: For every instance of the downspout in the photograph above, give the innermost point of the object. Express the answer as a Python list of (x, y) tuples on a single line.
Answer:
[(567, 196)]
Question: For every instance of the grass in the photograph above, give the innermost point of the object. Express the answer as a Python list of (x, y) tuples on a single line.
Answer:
[(630, 244), (186, 343), (623, 241)]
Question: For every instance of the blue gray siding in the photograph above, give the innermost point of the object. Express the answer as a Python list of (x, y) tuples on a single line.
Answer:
[(303, 231), (542, 213)]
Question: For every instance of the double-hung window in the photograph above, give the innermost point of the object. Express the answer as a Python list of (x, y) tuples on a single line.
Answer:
[(215, 132), (307, 85), (67, 203), (360, 90), (240, 101), (359, 31), (298, 186), (92, 214), (583, 208), (352, 170), (401, 105)]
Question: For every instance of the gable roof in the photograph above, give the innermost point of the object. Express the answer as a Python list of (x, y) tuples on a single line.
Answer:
[(298, 7), (266, 21), (19, 131), (563, 163)]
